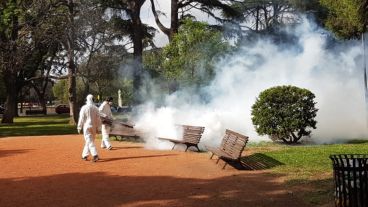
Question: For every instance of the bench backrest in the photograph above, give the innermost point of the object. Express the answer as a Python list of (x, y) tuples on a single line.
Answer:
[(233, 144), (192, 134)]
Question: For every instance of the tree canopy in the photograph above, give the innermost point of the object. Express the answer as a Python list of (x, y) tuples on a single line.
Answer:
[(347, 18), (285, 113), (83, 44)]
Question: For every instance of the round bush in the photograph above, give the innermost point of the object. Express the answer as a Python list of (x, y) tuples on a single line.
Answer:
[(285, 113)]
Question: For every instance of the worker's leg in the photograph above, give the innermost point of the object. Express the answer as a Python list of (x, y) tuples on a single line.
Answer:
[(105, 131)]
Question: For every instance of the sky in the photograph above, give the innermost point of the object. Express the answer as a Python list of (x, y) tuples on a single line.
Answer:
[(165, 6)]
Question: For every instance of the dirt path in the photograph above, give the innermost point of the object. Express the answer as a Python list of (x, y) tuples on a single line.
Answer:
[(48, 171)]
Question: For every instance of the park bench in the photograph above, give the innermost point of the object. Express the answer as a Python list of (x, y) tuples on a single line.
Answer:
[(191, 137), (121, 129), (231, 147)]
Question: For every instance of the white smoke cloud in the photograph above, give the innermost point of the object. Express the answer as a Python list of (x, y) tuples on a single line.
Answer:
[(334, 76)]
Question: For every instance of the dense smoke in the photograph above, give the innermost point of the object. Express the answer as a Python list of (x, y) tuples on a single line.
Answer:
[(333, 74)]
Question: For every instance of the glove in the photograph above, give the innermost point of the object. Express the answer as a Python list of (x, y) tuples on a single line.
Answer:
[(79, 131)]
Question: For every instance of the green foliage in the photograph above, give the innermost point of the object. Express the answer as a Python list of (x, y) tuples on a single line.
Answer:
[(8, 11), (347, 18), (284, 113), (152, 61), (60, 91), (191, 55)]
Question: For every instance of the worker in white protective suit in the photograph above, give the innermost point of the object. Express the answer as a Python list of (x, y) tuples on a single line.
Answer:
[(89, 121), (105, 111)]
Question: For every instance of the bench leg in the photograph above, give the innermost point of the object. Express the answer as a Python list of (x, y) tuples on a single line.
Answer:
[(217, 160), (189, 145), (224, 165), (212, 155), (173, 146)]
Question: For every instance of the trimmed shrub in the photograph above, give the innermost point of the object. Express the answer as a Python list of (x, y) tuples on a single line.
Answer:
[(285, 113)]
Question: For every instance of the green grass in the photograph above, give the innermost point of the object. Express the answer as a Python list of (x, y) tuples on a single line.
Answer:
[(308, 167), (38, 125), (312, 160)]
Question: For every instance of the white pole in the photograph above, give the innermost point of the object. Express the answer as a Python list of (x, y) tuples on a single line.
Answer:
[(120, 101), (365, 77)]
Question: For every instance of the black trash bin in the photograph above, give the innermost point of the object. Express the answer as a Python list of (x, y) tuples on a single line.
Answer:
[(351, 179)]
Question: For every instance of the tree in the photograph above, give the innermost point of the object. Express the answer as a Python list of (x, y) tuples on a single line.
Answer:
[(94, 35), (69, 43), (189, 59), (347, 18), (284, 113), (180, 9), (126, 15), (267, 15), (10, 24), (101, 76), (46, 46), (19, 23)]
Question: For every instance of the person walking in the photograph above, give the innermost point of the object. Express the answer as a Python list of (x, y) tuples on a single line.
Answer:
[(105, 112), (89, 121)]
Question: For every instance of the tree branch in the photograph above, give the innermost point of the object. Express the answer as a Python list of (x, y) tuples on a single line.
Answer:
[(158, 22)]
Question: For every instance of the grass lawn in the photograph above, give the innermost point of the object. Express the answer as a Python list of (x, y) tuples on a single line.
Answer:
[(307, 168), (38, 125)]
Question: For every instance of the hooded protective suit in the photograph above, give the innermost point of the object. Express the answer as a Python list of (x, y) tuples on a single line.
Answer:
[(89, 120), (105, 109)]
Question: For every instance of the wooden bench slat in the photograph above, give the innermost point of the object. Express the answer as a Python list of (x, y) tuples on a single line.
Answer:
[(232, 146), (191, 136)]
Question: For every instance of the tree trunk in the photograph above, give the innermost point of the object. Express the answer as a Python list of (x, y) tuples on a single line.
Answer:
[(174, 26), (138, 48), (41, 99), (43, 105), (10, 71), (71, 67), (11, 98), (257, 18), (72, 89)]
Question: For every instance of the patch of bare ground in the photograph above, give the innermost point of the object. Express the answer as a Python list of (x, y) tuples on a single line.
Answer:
[(48, 171)]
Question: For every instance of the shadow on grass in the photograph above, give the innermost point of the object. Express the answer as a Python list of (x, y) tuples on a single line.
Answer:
[(38, 130), (30, 123), (38, 125), (357, 141), (259, 161)]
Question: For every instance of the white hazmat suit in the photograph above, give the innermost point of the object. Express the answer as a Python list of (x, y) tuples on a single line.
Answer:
[(105, 109), (89, 120)]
